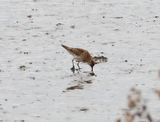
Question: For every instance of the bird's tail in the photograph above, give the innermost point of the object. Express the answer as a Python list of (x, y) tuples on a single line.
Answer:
[(66, 47)]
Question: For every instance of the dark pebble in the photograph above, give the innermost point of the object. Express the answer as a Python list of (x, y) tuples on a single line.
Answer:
[(29, 16), (125, 60)]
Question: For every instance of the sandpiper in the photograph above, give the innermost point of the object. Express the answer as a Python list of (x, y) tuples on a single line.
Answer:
[(80, 55)]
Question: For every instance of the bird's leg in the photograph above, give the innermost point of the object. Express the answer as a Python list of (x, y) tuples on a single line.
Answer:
[(73, 62), (92, 72), (78, 66), (73, 67)]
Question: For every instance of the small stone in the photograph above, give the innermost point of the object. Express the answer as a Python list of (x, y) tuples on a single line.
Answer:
[(125, 60), (33, 78), (58, 24), (156, 16), (47, 33), (26, 53), (24, 39), (84, 109), (73, 26), (37, 70), (29, 16), (30, 63), (23, 68)]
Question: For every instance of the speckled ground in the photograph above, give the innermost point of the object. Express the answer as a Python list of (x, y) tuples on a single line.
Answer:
[(36, 84)]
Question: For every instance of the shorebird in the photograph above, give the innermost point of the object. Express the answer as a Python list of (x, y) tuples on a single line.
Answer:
[(80, 55)]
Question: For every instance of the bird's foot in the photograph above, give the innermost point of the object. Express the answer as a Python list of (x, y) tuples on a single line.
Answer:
[(78, 70), (73, 69)]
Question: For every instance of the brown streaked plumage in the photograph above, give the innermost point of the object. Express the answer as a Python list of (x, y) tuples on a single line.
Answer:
[(80, 55)]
